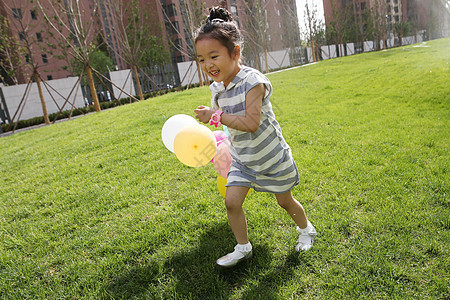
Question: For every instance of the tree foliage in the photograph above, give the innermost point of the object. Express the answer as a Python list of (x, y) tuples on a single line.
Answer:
[(98, 60)]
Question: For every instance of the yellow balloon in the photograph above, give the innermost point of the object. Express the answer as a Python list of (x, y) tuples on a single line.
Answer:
[(221, 185), (195, 145), (221, 182)]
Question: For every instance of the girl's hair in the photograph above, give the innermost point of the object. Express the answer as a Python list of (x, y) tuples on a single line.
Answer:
[(219, 25)]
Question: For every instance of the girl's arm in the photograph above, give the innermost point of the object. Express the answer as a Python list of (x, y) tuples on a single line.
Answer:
[(249, 122)]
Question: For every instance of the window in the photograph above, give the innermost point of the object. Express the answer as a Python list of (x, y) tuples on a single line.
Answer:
[(22, 36), (39, 36), (180, 58), (171, 10), (49, 77), (27, 58), (175, 28), (44, 58), (17, 13), (178, 43), (33, 14)]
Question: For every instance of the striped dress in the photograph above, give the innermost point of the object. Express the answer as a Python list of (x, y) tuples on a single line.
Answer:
[(261, 160)]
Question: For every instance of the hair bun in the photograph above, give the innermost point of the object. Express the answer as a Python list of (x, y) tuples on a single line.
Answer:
[(219, 13)]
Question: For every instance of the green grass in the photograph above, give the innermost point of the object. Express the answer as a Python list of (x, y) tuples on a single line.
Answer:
[(97, 208)]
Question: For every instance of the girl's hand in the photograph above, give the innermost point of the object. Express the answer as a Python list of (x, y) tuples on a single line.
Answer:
[(203, 113)]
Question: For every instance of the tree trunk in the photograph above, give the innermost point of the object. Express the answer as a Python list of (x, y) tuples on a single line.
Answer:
[(93, 90), (199, 72), (205, 78), (313, 51), (41, 96), (138, 83), (291, 55), (266, 58)]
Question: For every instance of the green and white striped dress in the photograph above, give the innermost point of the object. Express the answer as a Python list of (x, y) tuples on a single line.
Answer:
[(261, 160)]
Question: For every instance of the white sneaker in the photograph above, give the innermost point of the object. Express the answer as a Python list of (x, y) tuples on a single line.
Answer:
[(306, 238), (240, 253)]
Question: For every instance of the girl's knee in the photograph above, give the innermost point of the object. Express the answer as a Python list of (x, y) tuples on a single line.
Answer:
[(284, 203), (232, 204), (285, 200), (235, 197)]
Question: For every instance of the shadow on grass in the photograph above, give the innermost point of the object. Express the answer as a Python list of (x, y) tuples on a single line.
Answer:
[(193, 273)]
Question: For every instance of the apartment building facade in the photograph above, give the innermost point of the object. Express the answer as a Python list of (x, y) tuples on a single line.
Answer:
[(431, 16), (171, 21), (273, 13)]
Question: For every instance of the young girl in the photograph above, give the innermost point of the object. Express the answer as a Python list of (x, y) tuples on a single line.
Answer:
[(261, 158)]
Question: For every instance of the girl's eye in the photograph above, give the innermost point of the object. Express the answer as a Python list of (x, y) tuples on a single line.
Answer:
[(201, 60), (214, 57)]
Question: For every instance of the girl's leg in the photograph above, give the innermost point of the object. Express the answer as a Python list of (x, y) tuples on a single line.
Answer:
[(234, 199), (297, 213), (243, 250), (293, 207)]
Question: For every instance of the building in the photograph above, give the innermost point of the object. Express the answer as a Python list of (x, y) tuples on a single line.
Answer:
[(178, 25), (36, 43), (429, 17)]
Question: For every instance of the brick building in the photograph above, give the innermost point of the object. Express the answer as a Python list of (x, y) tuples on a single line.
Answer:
[(431, 16), (169, 21), (274, 12), (33, 43)]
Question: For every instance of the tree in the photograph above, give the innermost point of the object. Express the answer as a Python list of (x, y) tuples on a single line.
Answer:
[(192, 12), (337, 29), (381, 20), (9, 57), (133, 32), (21, 48), (401, 29), (315, 33), (257, 40), (99, 61), (75, 31), (291, 33)]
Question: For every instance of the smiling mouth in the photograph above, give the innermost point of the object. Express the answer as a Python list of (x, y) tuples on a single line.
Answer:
[(214, 73)]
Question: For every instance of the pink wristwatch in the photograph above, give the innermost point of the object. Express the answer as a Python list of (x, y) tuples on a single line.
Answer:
[(215, 118)]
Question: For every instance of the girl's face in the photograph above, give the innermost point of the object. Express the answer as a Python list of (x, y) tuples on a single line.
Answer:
[(216, 61)]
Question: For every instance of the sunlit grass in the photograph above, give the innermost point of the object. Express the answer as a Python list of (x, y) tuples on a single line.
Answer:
[(97, 207)]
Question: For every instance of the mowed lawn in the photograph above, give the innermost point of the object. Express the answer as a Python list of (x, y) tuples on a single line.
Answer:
[(98, 208)]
